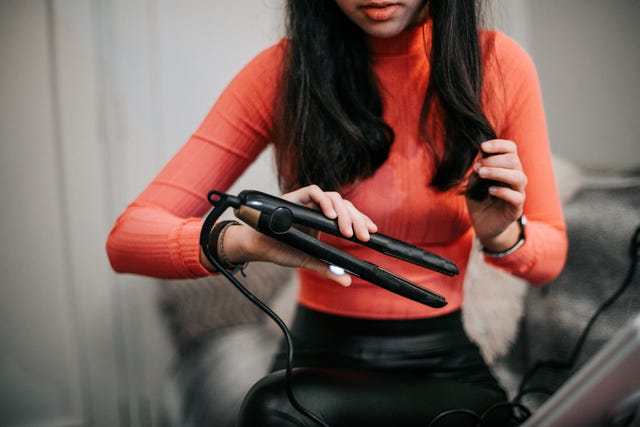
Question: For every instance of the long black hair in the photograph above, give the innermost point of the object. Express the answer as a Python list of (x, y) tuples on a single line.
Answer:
[(329, 126)]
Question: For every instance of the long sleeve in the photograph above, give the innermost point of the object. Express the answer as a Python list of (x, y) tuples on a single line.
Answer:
[(542, 256), (158, 233)]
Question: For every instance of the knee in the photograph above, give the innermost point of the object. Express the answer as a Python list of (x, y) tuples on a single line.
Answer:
[(267, 404)]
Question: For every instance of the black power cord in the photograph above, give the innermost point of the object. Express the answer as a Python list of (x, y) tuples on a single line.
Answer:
[(221, 202), (479, 419), (515, 403), (283, 327), (556, 365)]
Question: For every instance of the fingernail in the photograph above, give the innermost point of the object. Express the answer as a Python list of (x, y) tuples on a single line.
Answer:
[(486, 145), (338, 271), (483, 172)]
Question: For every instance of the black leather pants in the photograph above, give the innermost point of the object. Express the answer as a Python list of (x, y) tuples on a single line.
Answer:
[(355, 372)]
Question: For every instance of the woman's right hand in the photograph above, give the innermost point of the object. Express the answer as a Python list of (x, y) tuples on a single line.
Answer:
[(244, 244)]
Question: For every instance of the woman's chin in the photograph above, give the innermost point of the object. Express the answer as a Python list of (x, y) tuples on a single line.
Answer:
[(383, 29)]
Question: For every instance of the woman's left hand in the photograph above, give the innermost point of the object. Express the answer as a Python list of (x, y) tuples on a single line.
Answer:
[(494, 219)]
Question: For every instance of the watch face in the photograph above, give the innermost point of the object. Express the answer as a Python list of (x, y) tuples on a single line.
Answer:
[(523, 222)]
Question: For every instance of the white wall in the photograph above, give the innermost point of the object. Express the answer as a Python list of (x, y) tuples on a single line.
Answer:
[(96, 95), (42, 364), (589, 57), (587, 53)]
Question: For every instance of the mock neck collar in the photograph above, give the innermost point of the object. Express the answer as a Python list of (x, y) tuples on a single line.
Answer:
[(414, 40)]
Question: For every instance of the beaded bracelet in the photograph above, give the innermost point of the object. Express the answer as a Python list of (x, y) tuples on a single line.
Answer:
[(216, 245)]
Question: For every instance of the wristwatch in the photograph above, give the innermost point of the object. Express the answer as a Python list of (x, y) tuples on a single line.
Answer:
[(521, 239)]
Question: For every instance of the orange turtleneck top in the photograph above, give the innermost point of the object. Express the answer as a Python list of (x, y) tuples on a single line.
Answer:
[(157, 235)]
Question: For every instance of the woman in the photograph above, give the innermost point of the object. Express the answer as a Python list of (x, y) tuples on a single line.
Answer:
[(400, 110)]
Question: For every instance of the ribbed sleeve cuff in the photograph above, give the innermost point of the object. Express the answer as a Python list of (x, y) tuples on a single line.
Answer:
[(184, 246), (540, 259), (520, 262)]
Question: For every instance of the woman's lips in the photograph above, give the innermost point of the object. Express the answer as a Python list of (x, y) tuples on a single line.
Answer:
[(380, 11)]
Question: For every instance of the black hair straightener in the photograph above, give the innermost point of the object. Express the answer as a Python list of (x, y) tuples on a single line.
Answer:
[(279, 219)]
